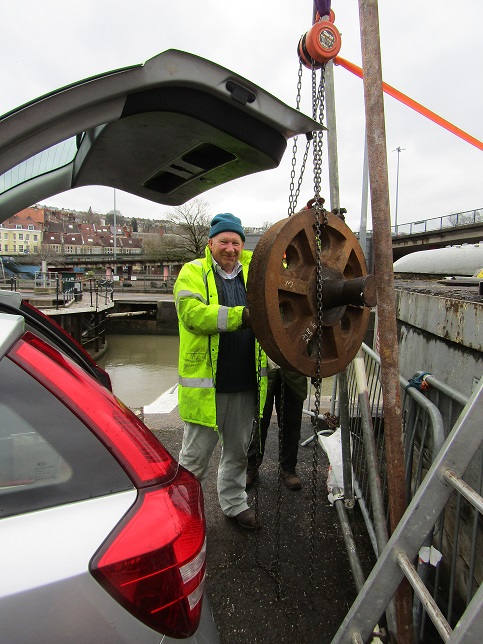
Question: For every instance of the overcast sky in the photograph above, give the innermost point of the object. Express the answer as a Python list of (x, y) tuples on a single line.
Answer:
[(434, 55)]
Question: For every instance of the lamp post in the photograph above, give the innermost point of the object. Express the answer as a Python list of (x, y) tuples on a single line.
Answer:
[(399, 149)]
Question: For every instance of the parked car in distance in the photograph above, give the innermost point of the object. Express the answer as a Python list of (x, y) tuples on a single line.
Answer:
[(102, 533)]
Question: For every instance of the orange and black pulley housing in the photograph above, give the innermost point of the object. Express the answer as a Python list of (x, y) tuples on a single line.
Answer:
[(321, 43)]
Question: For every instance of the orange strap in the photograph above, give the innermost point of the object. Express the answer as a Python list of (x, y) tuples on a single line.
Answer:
[(413, 105)]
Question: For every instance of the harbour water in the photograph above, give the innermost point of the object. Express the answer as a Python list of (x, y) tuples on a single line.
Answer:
[(141, 367)]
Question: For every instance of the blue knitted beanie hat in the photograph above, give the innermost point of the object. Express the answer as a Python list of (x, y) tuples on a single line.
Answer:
[(226, 222)]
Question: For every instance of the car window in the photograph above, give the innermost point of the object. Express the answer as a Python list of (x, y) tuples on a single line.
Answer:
[(26, 458), (54, 157), (48, 456)]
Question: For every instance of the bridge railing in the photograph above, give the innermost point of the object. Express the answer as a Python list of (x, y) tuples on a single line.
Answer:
[(465, 218)]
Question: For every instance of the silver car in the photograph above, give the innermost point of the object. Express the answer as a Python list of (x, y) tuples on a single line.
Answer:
[(102, 533)]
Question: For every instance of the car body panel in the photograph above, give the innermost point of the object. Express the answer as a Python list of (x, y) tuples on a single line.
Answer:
[(46, 540), (47, 593), (11, 328), (166, 131)]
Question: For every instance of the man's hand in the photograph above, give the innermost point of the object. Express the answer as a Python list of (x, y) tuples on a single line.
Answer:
[(246, 318)]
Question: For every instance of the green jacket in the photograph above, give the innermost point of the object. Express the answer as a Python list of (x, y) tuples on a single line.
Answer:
[(201, 319), (296, 382)]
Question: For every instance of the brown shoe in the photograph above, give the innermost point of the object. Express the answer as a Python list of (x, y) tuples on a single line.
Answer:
[(292, 480), (252, 476), (247, 520)]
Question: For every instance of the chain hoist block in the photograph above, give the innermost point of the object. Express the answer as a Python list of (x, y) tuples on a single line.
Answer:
[(286, 303), (321, 43)]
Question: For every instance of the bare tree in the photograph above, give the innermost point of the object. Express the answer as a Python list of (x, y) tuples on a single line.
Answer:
[(265, 226), (192, 225), (48, 253)]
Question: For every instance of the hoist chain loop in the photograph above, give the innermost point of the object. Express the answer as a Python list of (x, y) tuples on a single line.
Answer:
[(278, 514), (291, 198), (294, 192), (256, 437), (320, 221), (272, 569)]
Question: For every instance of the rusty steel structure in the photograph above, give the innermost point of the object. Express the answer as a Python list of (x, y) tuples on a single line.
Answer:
[(381, 219)]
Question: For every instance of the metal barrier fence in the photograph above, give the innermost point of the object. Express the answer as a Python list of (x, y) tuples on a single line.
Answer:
[(99, 291), (450, 561), (439, 223), (8, 283), (146, 283)]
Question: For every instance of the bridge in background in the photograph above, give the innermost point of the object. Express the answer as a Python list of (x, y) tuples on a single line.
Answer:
[(451, 230)]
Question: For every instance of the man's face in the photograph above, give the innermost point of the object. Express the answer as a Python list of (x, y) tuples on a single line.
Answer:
[(226, 249)]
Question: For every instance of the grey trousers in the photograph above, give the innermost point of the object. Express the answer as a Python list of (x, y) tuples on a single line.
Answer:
[(234, 417)]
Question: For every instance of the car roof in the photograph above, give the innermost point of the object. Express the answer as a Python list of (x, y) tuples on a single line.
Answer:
[(166, 130)]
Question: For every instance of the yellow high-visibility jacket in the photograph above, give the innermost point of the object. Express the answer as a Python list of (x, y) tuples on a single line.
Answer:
[(201, 320)]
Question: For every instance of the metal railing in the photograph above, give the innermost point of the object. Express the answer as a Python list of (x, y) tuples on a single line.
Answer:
[(429, 507), (99, 291), (467, 218), (8, 283), (427, 420), (146, 283)]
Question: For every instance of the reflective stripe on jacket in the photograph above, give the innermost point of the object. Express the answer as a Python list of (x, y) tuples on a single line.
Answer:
[(201, 319)]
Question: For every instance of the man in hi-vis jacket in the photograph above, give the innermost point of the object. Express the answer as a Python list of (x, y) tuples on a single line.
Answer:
[(220, 365)]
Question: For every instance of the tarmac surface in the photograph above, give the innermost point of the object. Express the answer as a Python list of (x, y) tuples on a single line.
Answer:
[(290, 581)]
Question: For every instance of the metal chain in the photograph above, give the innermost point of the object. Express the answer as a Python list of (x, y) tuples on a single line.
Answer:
[(320, 221), (302, 170), (295, 192), (278, 516), (256, 437), (318, 113), (273, 569)]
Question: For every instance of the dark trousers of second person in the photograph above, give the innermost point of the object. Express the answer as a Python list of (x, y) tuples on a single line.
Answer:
[(292, 420)]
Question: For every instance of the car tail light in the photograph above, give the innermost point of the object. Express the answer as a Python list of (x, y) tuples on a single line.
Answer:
[(147, 563), (153, 562)]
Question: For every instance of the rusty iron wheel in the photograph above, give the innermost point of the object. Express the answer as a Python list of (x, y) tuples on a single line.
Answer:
[(282, 294)]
